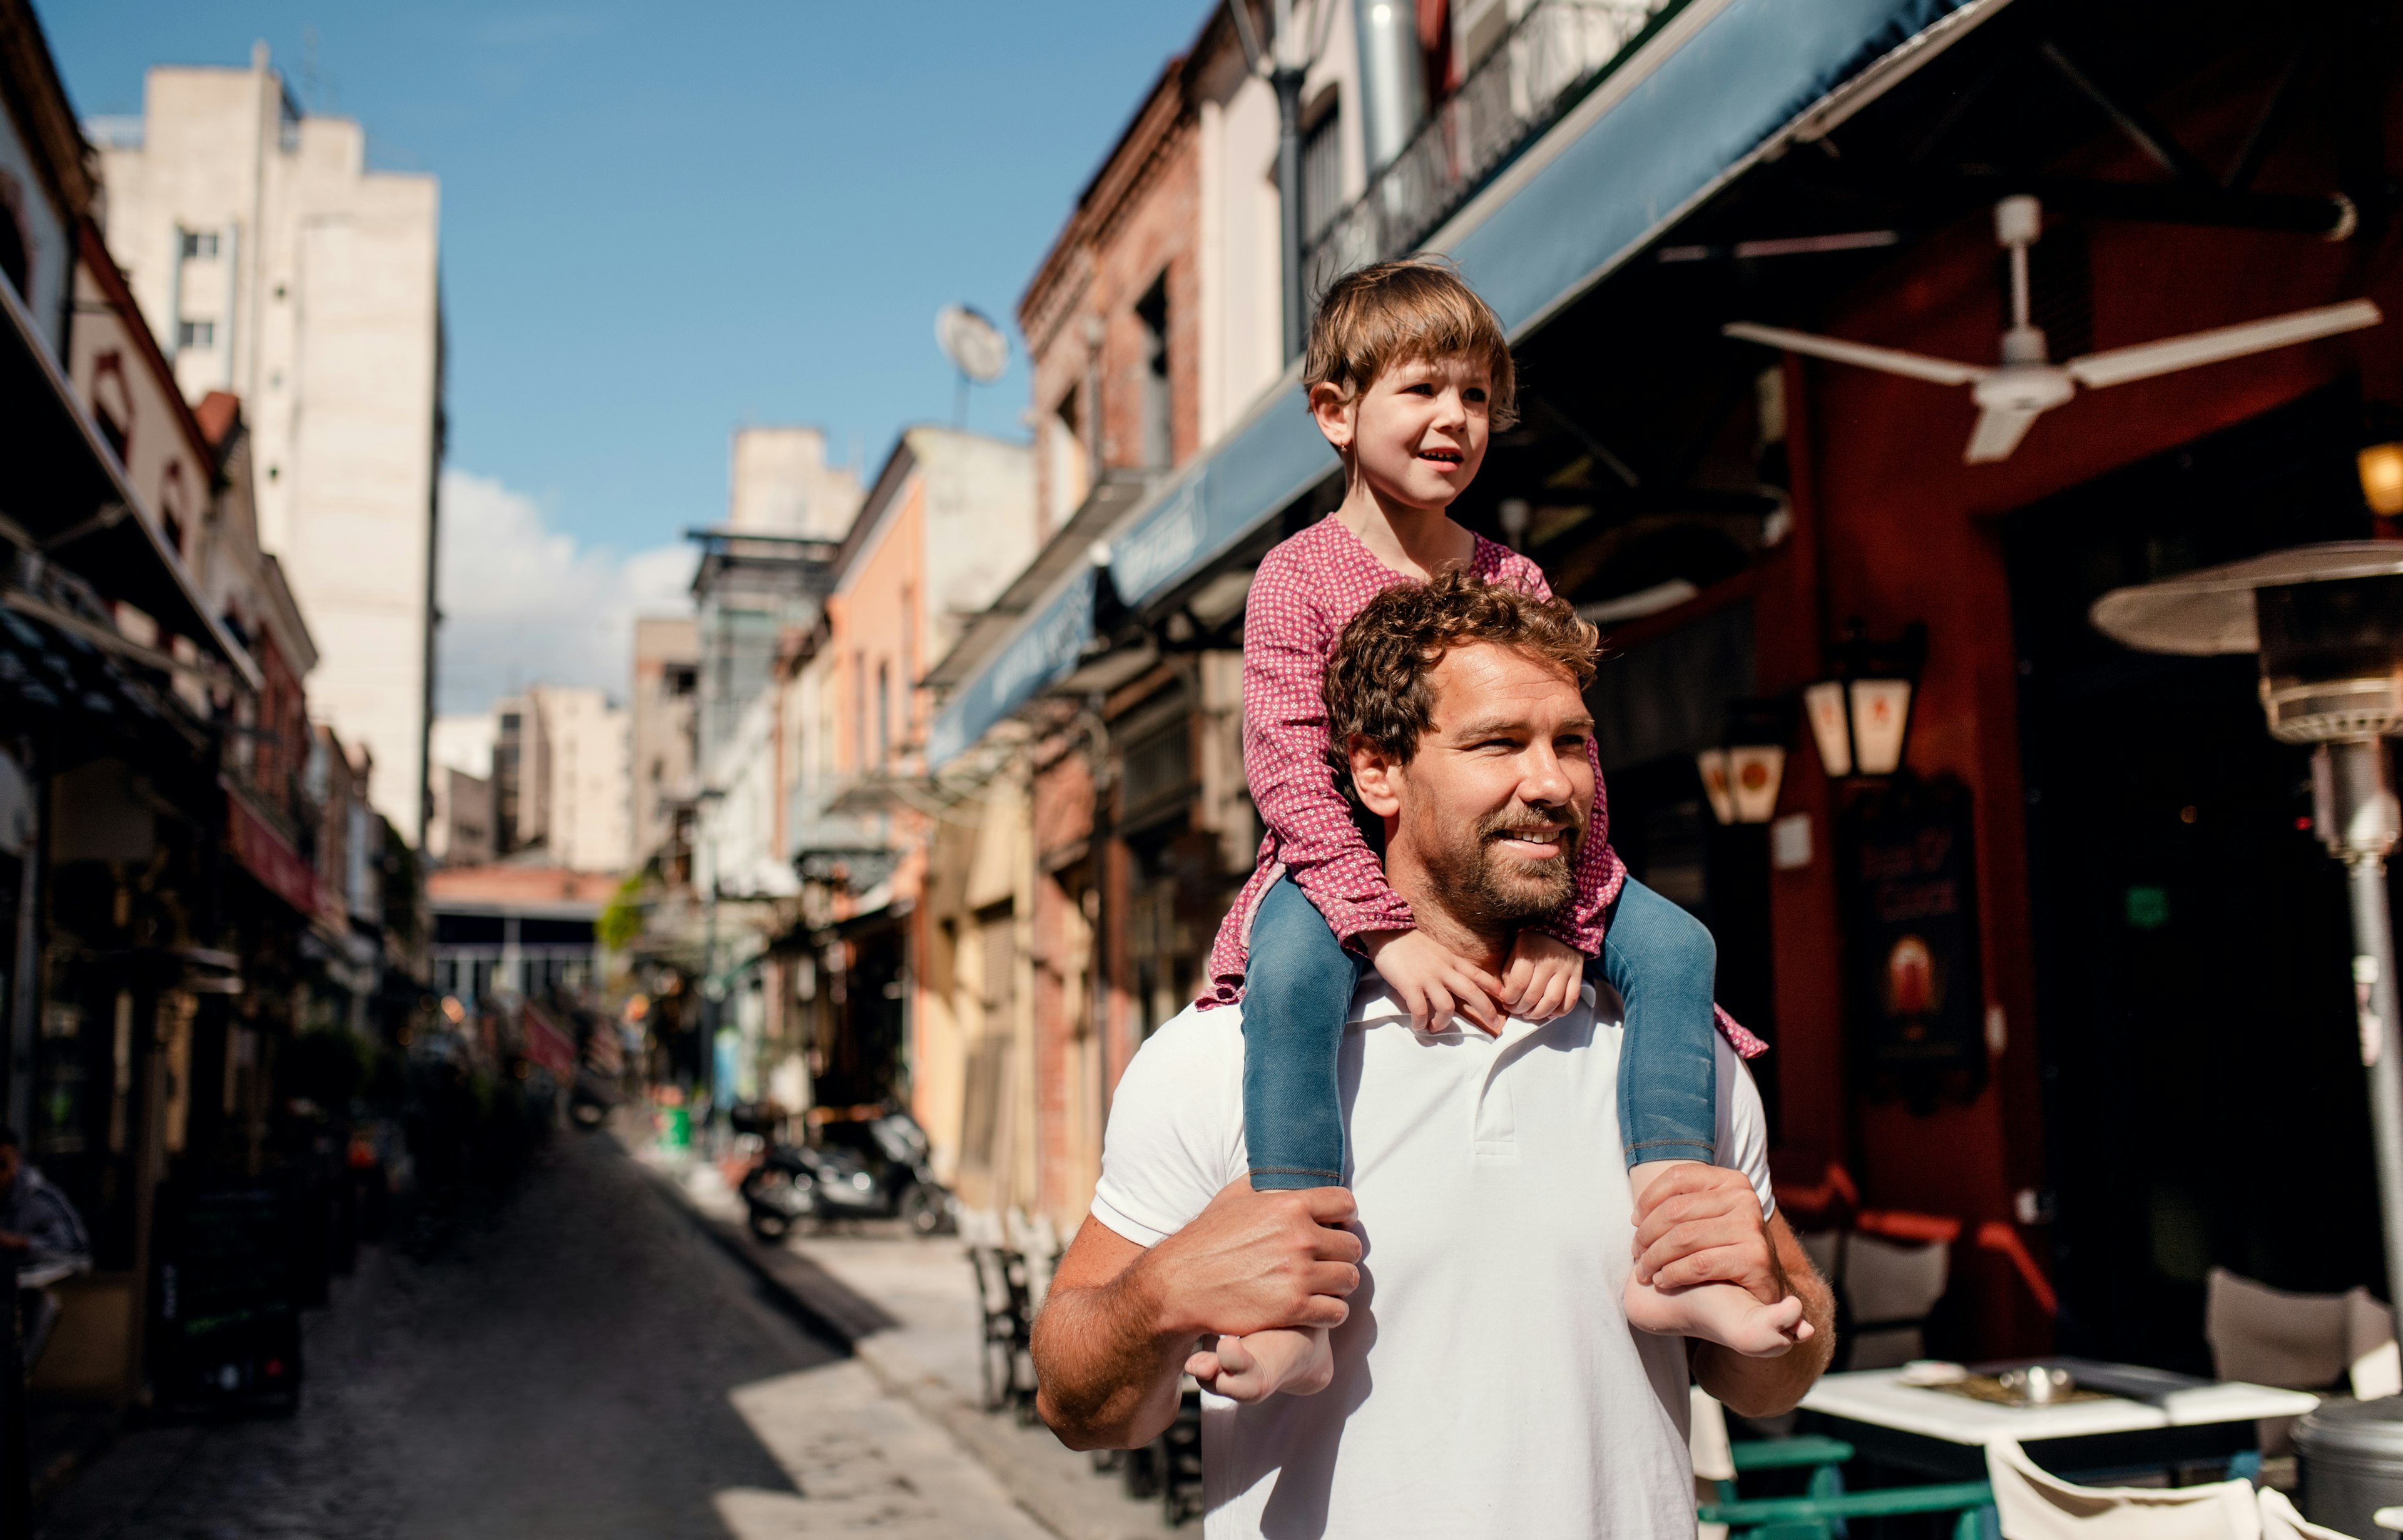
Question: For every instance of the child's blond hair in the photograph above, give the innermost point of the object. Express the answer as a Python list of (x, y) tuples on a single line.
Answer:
[(1418, 309)]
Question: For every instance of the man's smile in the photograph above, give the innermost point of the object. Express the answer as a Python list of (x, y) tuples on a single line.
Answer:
[(1534, 842)]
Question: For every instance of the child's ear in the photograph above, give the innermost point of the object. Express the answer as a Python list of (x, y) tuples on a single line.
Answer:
[(1333, 410), (1375, 779)]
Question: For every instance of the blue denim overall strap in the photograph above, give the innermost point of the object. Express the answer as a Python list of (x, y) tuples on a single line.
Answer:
[(1664, 964), (1298, 983)]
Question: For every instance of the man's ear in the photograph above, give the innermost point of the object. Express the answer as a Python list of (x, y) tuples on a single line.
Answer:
[(1335, 414), (1375, 778)]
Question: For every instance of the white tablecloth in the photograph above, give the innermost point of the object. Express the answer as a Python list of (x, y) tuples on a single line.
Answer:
[(1877, 1396)]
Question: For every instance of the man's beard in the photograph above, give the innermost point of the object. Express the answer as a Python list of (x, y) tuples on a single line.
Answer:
[(1486, 888)]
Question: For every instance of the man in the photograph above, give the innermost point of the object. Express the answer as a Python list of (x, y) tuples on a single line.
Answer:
[(1485, 1381), (42, 1229)]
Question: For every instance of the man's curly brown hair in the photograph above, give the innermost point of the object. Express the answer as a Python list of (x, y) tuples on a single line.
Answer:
[(1376, 684)]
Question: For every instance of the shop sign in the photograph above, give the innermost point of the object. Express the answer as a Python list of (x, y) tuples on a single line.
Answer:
[(265, 855), (1908, 856)]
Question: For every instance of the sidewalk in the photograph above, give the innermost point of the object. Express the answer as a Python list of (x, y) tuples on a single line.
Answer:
[(907, 1309)]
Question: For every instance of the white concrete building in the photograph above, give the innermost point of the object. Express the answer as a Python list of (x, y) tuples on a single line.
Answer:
[(552, 772), (272, 263), (587, 769), (780, 483)]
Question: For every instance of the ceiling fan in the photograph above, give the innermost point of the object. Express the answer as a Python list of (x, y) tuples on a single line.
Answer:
[(2011, 395)]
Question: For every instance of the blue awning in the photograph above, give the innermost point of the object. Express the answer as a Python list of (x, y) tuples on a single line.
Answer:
[(1716, 86), (1041, 654)]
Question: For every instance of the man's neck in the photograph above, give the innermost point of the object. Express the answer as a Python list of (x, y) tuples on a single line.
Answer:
[(1488, 949)]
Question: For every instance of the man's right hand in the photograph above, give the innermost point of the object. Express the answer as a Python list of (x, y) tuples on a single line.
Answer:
[(1255, 1260)]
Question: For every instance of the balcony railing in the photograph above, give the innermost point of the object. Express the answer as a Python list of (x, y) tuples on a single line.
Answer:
[(1523, 83)]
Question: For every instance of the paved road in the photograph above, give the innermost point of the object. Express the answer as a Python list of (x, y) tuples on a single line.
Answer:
[(580, 1362)]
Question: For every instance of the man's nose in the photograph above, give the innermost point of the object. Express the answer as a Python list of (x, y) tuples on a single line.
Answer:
[(1544, 779)]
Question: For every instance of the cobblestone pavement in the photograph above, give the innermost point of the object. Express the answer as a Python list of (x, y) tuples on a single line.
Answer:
[(579, 1363)]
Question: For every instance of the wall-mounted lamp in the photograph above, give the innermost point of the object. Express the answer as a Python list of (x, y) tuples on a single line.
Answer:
[(1861, 719), (1741, 773), (2380, 462)]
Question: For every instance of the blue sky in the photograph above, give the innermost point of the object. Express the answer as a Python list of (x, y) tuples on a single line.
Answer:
[(662, 222)]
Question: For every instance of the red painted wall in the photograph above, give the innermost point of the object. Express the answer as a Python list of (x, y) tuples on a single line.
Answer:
[(1892, 527)]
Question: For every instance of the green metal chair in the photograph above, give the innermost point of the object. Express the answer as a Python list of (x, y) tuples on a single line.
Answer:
[(1821, 1512), (1817, 1518)]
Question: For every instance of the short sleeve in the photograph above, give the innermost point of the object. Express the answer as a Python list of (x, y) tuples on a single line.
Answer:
[(1176, 1134), (1743, 1126)]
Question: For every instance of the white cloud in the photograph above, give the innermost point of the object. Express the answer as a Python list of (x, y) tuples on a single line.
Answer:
[(524, 604)]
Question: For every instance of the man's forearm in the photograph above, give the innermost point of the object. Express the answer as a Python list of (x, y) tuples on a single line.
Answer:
[(1107, 1372), (1764, 1387)]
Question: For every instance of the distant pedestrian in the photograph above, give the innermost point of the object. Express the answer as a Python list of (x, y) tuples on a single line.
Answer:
[(41, 1227)]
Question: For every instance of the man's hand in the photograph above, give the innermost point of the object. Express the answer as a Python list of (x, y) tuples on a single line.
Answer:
[(1699, 1224), (1253, 1260), (1434, 982), (1542, 978), (1119, 1321)]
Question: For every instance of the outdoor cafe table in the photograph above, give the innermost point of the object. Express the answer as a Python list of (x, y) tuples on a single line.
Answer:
[(1938, 1433)]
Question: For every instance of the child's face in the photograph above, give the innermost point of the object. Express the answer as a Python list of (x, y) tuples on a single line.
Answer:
[(1418, 434)]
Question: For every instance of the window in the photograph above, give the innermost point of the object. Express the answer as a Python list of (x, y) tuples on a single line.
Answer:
[(195, 334), (883, 712), (202, 245), (1322, 171), (858, 712), (1158, 423)]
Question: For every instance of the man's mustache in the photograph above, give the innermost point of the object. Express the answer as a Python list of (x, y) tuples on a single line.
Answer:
[(1568, 825)]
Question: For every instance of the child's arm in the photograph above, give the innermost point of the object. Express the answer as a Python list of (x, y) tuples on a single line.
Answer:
[(1287, 636)]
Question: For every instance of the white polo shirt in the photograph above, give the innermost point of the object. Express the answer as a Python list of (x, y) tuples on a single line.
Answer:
[(1486, 1383)]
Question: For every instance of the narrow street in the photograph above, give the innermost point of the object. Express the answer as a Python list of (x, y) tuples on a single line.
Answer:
[(580, 1362)]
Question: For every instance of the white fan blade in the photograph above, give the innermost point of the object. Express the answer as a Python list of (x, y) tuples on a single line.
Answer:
[(1998, 432), (1918, 365), (2145, 359)]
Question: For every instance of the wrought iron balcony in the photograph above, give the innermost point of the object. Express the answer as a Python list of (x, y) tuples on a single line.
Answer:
[(1522, 85)]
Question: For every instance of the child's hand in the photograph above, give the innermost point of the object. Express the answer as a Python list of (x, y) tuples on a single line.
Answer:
[(1542, 978), (1434, 982)]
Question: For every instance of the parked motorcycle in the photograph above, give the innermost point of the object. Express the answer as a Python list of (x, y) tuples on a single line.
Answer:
[(872, 1169)]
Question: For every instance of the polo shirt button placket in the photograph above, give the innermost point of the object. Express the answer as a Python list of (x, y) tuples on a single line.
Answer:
[(1496, 1115)]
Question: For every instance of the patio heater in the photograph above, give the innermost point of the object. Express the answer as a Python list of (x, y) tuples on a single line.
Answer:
[(2327, 623)]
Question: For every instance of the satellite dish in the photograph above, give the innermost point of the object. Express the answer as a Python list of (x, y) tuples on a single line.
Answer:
[(972, 342)]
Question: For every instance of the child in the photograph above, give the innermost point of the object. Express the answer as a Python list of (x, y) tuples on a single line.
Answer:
[(1407, 373)]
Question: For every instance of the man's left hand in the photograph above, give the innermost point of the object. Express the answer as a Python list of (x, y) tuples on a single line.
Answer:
[(1699, 1224)]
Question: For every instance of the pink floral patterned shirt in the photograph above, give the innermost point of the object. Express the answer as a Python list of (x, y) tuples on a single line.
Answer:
[(1306, 591)]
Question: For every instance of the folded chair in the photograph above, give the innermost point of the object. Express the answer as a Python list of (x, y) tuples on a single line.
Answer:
[(2297, 1342), (2035, 1505)]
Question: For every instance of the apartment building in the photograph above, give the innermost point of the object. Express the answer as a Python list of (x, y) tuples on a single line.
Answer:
[(667, 676), (273, 263)]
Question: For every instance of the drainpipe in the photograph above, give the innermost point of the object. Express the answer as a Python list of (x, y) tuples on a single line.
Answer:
[(1393, 79), (1286, 82), (1097, 739), (1096, 330)]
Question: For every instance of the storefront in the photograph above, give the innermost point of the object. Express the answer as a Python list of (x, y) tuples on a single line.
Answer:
[(1988, 979)]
